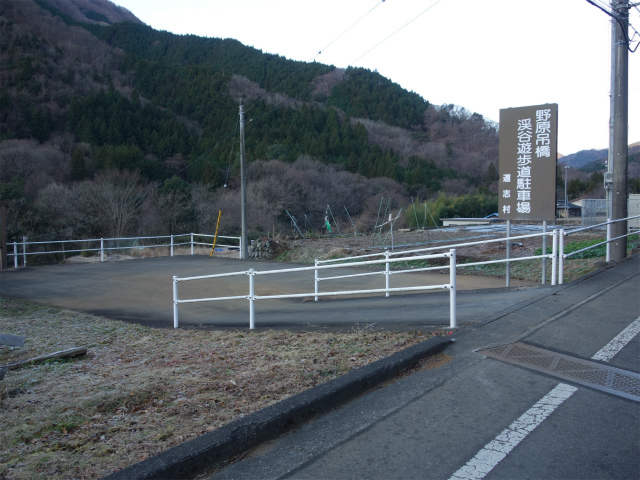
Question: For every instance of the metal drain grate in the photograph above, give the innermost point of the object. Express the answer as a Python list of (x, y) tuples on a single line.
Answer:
[(591, 374)]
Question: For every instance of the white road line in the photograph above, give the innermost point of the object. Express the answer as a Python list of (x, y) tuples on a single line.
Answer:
[(607, 352), (497, 449)]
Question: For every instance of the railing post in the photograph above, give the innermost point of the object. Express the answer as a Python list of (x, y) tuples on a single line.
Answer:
[(387, 271), (561, 257), (453, 321), (102, 249), (24, 251), (192, 244), (508, 256), (240, 249), (175, 302), (172, 245), (554, 258), (544, 252), (317, 281), (252, 294), (15, 254), (608, 257)]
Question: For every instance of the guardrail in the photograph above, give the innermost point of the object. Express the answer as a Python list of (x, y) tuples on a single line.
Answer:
[(566, 233), (173, 241), (388, 254), (252, 297)]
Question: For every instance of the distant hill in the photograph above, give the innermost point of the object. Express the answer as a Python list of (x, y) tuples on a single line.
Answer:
[(90, 11), (601, 162), (88, 91), (94, 74), (583, 157), (592, 160)]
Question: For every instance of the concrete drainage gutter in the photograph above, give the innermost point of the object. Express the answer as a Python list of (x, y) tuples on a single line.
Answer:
[(205, 452)]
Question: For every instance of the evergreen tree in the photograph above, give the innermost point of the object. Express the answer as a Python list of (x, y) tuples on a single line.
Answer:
[(78, 167)]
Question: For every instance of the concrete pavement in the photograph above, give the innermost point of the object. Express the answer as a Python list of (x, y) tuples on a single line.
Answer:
[(444, 423)]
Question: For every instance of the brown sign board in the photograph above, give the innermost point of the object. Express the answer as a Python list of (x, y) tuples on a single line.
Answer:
[(528, 156)]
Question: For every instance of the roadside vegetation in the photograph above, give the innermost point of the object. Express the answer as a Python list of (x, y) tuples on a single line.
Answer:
[(140, 391)]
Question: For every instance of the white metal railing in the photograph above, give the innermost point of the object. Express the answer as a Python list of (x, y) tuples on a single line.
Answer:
[(388, 254), (565, 233), (171, 241), (252, 297)]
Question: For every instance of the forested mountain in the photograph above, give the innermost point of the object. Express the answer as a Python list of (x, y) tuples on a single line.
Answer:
[(89, 93), (583, 157)]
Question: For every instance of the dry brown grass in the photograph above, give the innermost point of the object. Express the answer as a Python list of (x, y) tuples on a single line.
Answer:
[(140, 391)]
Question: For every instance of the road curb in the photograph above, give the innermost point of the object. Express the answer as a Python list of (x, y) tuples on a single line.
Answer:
[(213, 448)]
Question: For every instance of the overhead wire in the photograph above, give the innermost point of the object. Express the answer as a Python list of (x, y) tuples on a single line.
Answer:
[(623, 27), (347, 30), (303, 65), (319, 53), (350, 27), (156, 187), (396, 31)]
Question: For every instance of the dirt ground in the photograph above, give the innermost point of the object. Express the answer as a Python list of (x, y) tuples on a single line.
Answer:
[(306, 250), (139, 390), (334, 247)]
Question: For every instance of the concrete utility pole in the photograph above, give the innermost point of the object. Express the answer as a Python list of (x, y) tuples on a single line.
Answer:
[(608, 176), (244, 253), (620, 130)]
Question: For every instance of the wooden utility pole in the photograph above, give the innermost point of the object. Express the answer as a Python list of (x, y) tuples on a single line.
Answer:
[(619, 193), (244, 253)]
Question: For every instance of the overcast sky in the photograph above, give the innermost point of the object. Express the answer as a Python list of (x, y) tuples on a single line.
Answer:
[(481, 55)]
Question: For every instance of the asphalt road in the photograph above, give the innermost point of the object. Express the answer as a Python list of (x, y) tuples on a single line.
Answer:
[(141, 291), (457, 421)]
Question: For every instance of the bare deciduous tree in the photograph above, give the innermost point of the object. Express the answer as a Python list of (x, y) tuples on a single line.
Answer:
[(116, 198)]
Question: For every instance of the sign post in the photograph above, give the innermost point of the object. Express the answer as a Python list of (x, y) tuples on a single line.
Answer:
[(528, 156)]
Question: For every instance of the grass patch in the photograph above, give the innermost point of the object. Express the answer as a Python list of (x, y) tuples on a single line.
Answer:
[(140, 391), (596, 252)]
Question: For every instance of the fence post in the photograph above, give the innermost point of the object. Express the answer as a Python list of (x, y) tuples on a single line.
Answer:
[(172, 245), (252, 291), (175, 302), (240, 249), (15, 254), (608, 257), (508, 256), (561, 257), (453, 321), (102, 249), (317, 281), (544, 252), (192, 244), (554, 258), (387, 271), (24, 251)]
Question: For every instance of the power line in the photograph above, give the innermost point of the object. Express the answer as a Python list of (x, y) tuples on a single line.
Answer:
[(396, 31), (617, 18), (349, 28), (336, 39), (304, 64)]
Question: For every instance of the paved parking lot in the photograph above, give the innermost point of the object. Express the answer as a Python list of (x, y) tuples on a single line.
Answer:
[(141, 291)]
